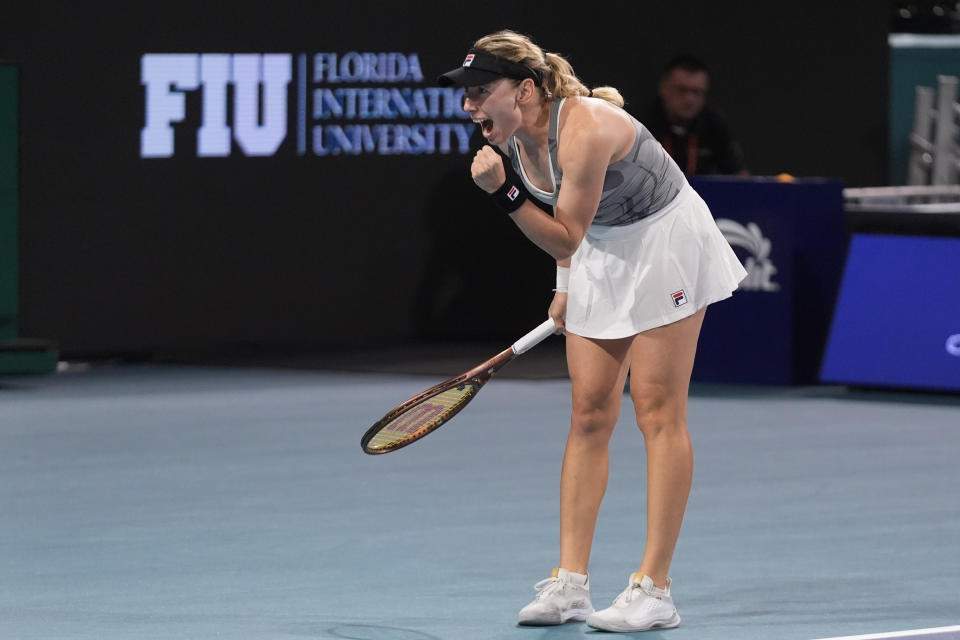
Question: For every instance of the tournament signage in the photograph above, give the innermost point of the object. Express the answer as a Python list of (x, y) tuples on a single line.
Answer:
[(327, 104), (757, 262), (953, 345), (790, 238), (897, 316)]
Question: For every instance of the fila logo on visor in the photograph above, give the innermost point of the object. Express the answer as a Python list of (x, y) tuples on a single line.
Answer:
[(513, 193), (678, 298), (469, 60)]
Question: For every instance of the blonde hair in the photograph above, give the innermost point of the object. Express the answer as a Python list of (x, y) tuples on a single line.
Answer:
[(559, 80)]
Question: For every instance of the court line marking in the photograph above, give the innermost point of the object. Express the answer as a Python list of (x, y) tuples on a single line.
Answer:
[(915, 633)]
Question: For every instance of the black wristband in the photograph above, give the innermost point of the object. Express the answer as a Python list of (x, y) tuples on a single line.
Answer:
[(512, 194)]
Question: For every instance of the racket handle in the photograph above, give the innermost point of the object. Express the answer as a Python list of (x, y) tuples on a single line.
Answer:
[(535, 337)]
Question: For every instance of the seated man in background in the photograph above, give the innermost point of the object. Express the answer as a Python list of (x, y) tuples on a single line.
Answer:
[(695, 136)]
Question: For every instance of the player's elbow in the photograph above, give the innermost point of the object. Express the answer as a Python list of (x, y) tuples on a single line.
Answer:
[(567, 245), (563, 252), (561, 242)]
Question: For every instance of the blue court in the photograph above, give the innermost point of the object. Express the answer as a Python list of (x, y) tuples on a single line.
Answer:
[(157, 501)]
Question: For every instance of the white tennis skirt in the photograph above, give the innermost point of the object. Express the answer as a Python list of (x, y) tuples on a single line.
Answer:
[(624, 280)]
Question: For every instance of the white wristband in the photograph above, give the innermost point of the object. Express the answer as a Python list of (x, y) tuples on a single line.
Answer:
[(563, 279)]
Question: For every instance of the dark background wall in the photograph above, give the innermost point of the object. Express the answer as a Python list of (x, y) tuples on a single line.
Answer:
[(120, 252)]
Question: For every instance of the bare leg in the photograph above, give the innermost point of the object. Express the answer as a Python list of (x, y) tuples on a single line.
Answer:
[(661, 361), (598, 370)]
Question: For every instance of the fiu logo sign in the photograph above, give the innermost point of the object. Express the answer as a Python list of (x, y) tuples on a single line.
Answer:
[(343, 104)]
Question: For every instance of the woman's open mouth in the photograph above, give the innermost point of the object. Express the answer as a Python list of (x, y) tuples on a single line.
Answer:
[(486, 125)]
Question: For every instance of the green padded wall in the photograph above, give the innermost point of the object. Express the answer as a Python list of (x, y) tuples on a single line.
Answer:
[(915, 60)]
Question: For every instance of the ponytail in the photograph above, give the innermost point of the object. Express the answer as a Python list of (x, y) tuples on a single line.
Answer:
[(559, 80), (609, 94)]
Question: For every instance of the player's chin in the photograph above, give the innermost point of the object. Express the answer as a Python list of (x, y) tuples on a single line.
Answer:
[(492, 136), (497, 135)]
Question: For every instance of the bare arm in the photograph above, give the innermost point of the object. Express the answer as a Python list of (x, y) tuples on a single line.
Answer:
[(586, 150), (588, 142)]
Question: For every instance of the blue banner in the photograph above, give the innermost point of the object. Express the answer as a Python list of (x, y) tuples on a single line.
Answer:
[(790, 237), (897, 321)]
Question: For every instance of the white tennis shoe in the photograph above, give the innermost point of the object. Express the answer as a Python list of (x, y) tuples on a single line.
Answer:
[(640, 607), (562, 597)]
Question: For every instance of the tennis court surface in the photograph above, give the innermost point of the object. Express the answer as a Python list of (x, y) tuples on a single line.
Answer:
[(157, 501)]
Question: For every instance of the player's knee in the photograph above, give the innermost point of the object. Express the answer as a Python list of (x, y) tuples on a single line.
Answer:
[(591, 421), (658, 411)]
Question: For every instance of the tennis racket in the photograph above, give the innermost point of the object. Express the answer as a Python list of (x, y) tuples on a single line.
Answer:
[(427, 411)]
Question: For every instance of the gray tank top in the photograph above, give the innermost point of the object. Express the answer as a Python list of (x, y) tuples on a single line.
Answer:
[(642, 183)]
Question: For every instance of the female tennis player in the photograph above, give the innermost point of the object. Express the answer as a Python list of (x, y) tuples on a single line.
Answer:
[(639, 258)]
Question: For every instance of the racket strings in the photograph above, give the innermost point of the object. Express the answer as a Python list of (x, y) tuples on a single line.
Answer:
[(421, 418)]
